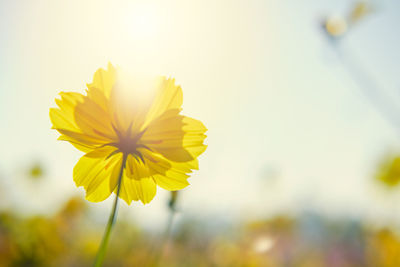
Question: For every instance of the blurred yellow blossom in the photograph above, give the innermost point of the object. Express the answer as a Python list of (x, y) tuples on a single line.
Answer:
[(384, 249), (389, 171), (336, 25), (36, 170), (359, 11)]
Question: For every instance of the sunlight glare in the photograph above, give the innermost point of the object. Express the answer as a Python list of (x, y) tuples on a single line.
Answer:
[(143, 21)]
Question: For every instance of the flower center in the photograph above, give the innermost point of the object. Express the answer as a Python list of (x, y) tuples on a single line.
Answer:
[(128, 144)]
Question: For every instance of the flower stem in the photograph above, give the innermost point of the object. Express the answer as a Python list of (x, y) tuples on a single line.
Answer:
[(103, 246), (167, 233)]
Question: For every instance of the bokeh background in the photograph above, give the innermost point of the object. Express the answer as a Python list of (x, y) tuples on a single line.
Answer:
[(302, 103)]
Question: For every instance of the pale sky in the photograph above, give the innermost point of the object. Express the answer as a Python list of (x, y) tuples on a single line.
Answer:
[(289, 129)]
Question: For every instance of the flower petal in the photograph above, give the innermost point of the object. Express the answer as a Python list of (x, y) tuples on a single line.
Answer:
[(176, 137), (64, 118), (168, 174), (136, 168), (98, 173), (81, 121), (93, 120), (168, 96), (84, 147), (104, 81), (143, 189), (170, 183)]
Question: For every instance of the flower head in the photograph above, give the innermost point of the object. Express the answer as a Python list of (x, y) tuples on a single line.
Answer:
[(157, 144)]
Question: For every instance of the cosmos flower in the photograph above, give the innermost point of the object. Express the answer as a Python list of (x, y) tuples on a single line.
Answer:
[(151, 140)]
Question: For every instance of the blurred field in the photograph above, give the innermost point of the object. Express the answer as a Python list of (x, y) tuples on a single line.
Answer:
[(70, 237)]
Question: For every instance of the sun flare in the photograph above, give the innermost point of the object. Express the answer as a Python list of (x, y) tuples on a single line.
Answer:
[(143, 21)]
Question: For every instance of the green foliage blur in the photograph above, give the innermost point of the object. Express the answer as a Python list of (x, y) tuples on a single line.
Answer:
[(70, 238)]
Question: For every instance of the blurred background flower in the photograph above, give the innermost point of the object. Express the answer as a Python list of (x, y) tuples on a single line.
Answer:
[(389, 171)]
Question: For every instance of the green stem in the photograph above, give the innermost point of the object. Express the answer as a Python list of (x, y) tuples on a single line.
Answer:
[(103, 246), (167, 233)]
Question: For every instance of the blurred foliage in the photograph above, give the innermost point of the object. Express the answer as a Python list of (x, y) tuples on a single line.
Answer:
[(71, 238)]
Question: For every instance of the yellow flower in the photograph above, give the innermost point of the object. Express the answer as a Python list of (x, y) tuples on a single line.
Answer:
[(156, 144), (389, 171), (360, 10)]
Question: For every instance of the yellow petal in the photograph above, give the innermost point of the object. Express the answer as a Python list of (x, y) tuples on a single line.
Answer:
[(103, 91), (176, 137), (98, 173), (168, 174), (136, 169), (168, 96), (104, 81), (93, 120), (81, 121), (64, 117), (170, 183), (82, 146), (143, 189), (137, 183), (63, 120)]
